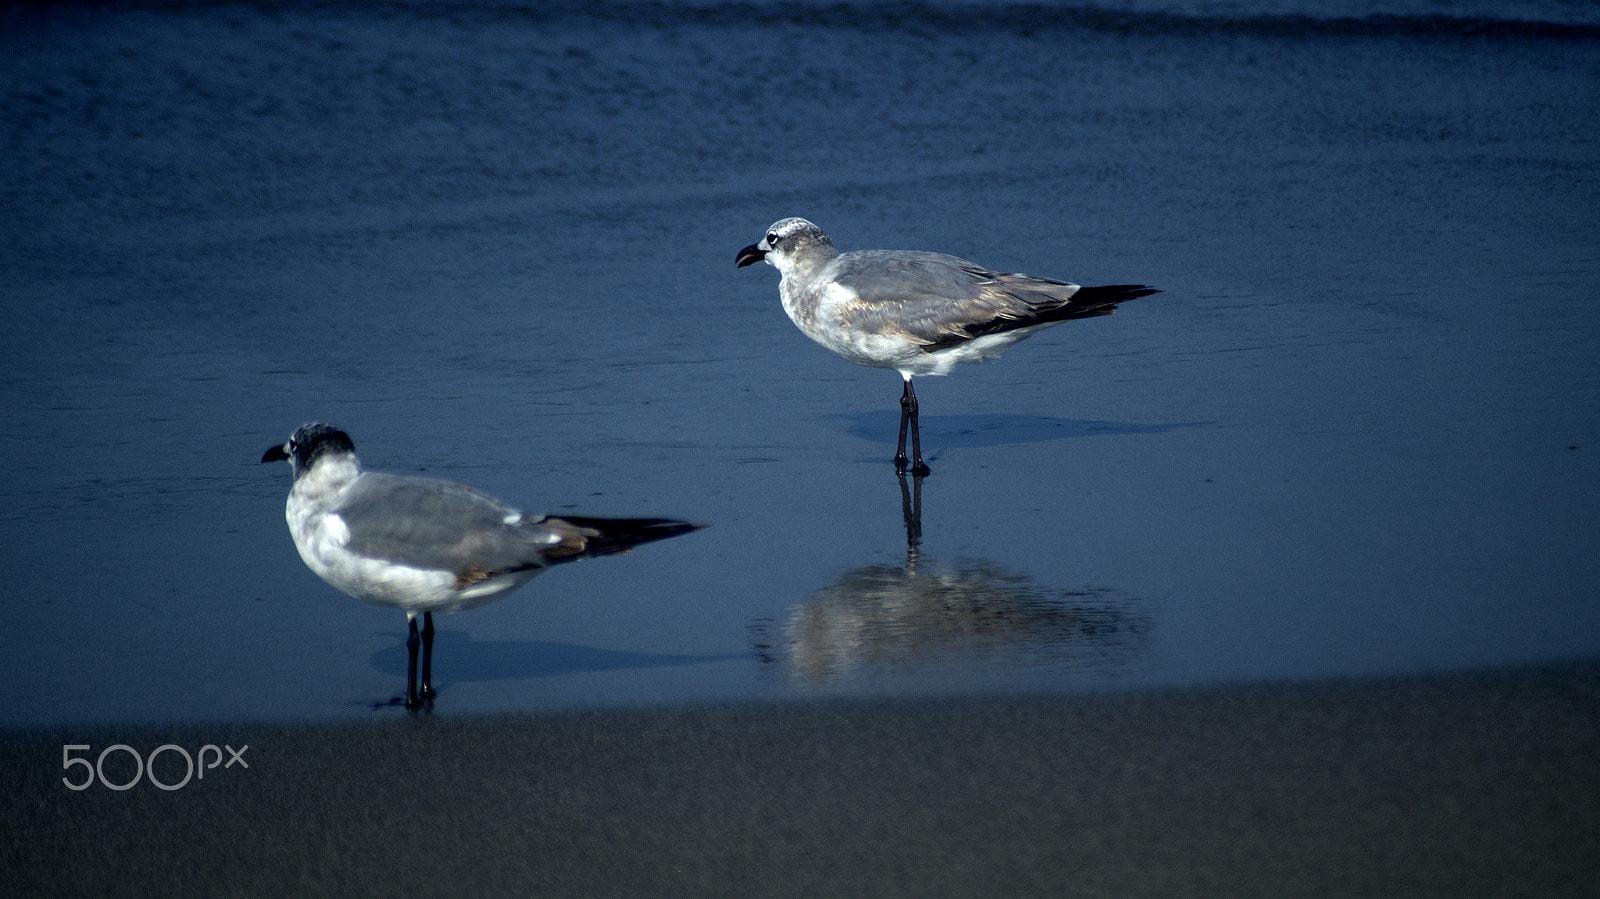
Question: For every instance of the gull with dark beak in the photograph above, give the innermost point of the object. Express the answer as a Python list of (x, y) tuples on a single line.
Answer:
[(915, 312), (423, 545)]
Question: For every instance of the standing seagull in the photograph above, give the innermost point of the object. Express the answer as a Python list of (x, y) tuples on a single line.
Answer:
[(425, 545), (918, 313)]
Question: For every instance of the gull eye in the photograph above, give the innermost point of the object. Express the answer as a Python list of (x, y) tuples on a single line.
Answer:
[(772, 238)]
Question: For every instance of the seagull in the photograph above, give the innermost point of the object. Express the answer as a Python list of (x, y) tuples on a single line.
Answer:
[(424, 545), (915, 312)]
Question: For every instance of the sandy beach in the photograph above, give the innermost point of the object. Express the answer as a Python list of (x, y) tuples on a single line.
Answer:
[(1476, 785)]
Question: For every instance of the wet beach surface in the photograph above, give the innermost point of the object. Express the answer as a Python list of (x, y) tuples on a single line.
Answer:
[(1467, 785), (1355, 438)]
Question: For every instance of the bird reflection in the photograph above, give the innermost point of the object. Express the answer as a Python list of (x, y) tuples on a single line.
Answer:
[(926, 615)]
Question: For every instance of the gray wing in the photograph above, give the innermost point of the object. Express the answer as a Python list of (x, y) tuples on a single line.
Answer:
[(437, 524), (937, 300)]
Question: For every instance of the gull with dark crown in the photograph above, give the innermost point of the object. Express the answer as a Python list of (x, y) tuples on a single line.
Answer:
[(423, 545)]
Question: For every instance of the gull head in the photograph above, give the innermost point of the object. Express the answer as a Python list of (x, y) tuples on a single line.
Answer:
[(310, 444), (789, 243)]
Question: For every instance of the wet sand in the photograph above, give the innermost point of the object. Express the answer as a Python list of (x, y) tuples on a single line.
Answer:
[(1468, 785)]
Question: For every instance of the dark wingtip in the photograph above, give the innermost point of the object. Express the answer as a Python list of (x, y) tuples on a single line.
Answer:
[(618, 535), (1114, 293), (1086, 302), (649, 530)]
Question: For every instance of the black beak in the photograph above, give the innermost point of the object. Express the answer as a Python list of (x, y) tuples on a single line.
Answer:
[(276, 454), (752, 253)]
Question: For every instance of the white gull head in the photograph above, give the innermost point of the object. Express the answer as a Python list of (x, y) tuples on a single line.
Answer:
[(791, 245)]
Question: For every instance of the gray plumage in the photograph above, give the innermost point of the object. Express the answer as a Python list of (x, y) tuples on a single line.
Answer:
[(916, 312), (939, 302), (452, 527), (424, 545)]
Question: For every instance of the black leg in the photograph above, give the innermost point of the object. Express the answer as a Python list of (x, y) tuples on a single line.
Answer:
[(411, 666), (908, 411), (907, 403), (427, 656)]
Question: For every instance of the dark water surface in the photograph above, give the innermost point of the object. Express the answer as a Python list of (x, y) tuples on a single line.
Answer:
[(1358, 433)]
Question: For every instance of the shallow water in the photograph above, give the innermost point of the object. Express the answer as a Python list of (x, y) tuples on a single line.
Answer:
[(1357, 434)]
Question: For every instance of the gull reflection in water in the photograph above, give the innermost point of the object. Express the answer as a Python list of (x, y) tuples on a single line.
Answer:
[(924, 616)]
